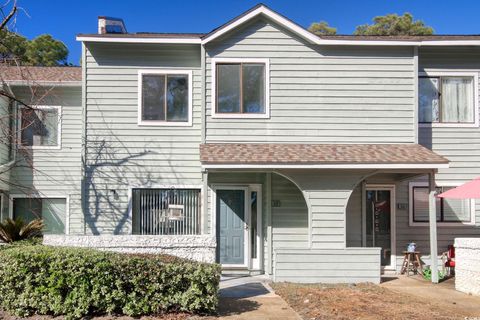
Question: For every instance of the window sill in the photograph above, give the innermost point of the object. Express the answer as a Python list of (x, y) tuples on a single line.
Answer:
[(39, 148), (448, 125), (164, 124), (239, 116), (443, 224)]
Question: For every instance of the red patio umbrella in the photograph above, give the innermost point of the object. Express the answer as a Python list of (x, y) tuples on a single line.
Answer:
[(469, 190)]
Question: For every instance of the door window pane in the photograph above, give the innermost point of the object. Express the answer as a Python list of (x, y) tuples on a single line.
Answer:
[(253, 223), (378, 219), (177, 98), (39, 127), (428, 100), (253, 88), (457, 99), (228, 88), (153, 96)]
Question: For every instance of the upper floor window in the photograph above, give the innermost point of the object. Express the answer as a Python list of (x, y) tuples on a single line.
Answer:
[(447, 99), (448, 211), (165, 97), (40, 127), (241, 88)]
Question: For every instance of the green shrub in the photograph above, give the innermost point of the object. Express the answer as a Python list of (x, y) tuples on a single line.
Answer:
[(12, 230), (76, 282)]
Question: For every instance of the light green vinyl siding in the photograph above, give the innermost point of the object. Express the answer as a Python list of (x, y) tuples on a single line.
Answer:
[(319, 94), (120, 153), (5, 146), (348, 265), (461, 146), (56, 172)]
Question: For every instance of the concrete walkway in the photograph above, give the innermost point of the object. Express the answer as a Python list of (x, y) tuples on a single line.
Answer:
[(251, 298), (443, 293)]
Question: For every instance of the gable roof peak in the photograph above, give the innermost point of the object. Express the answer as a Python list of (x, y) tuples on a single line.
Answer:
[(260, 9)]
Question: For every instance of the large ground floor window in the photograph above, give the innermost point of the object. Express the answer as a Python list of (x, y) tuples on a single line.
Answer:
[(166, 211), (447, 210), (51, 210)]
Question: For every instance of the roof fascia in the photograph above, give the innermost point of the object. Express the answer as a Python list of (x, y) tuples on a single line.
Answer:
[(139, 40), (329, 166)]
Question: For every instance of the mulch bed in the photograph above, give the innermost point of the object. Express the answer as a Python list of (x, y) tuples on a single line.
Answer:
[(363, 301)]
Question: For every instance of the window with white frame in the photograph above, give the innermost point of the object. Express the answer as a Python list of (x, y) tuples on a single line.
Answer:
[(165, 97), (40, 127), (241, 88), (447, 99), (51, 210), (166, 211), (447, 210)]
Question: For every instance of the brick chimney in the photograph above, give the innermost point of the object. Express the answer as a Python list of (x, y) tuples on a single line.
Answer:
[(110, 25)]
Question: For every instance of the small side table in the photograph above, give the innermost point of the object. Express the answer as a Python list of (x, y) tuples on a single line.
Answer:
[(411, 263)]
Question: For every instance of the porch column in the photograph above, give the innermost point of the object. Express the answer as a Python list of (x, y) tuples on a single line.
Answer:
[(433, 227)]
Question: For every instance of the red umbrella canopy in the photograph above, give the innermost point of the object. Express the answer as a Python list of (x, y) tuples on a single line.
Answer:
[(469, 190)]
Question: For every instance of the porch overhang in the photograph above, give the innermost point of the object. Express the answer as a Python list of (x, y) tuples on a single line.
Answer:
[(318, 156)]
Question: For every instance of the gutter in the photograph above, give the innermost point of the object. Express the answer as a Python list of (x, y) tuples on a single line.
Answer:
[(44, 83)]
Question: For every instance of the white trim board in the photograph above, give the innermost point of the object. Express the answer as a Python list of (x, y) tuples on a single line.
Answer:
[(138, 39), (213, 104), (327, 166), (165, 123)]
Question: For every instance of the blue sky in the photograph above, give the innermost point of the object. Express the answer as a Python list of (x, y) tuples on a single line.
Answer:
[(64, 19)]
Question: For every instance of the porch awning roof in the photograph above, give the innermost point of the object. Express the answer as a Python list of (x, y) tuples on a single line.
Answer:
[(321, 156)]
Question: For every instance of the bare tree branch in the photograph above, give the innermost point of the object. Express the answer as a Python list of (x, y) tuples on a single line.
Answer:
[(12, 13)]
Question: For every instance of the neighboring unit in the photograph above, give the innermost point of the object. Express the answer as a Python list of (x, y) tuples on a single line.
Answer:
[(259, 145)]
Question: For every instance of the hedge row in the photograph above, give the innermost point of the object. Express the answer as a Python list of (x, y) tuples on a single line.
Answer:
[(76, 282)]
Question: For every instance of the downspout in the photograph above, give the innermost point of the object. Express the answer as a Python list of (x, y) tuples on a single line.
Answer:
[(203, 125), (364, 213), (432, 218), (83, 157), (415, 93)]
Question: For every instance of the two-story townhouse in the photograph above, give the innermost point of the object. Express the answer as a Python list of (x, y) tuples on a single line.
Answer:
[(268, 149), (41, 139)]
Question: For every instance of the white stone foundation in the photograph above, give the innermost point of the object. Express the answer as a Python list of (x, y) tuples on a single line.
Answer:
[(467, 265), (194, 247)]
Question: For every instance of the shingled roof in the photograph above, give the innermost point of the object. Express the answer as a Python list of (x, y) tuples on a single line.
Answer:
[(317, 154), (40, 74)]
